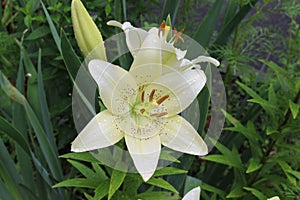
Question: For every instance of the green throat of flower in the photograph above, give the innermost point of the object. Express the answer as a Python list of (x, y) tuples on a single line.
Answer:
[(148, 107)]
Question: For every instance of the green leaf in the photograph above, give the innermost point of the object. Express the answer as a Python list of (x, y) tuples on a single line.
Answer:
[(4, 193), (83, 156), (116, 180), (102, 190), (78, 182), (52, 27), (282, 75), (254, 165), (43, 105), (88, 197), (73, 64), (212, 189), (132, 183), (168, 171), (271, 95), (48, 152), (157, 195), (231, 9), (236, 193), (170, 8), (83, 169), (287, 169), (71, 60), (226, 32), (230, 158), (159, 182), (20, 124), (39, 32), (256, 193), (294, 108), (12, 132), (206, 28), (9, 173), (294, 173), (100, 172), (266, 105)]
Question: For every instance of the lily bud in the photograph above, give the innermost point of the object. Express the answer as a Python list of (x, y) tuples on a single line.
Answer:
[(88, 36)]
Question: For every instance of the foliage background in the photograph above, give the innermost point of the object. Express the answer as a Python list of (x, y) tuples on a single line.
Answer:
[(257, 156)]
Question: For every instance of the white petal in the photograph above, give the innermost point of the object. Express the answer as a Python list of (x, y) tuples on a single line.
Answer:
[(144, 153), (206, 59), (134, 38), (147, 65), (193, 194), (114, 23), (182, 88), (115, 84), (180, 135), (171, 57), (100, 132)]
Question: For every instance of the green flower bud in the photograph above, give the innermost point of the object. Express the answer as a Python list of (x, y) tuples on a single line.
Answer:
[(88, 36)]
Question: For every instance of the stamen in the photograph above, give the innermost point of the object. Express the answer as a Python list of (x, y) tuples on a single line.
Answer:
[(158, 114), (162, 99), (151, 95), (162, 28), (142, 110), (143, 96), (177, 35)]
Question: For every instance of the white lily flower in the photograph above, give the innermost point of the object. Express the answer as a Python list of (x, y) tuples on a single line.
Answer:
[(143, 106), (193, 194), (171, 56)]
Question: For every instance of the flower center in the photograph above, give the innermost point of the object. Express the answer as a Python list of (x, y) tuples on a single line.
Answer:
[(147, 116), (150, 107)]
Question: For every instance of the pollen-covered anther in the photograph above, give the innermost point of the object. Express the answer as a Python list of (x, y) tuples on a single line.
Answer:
[(162, 28), (142, 110), (151, 95), (143, 96), (177, 35), (158, 114), (162, 99)]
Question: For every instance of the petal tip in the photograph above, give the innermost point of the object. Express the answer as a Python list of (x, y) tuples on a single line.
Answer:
[(146, 176), (114, 23)]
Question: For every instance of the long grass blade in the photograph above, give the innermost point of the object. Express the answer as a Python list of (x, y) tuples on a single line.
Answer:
[(208, 24), (44, 106), (9, 173), (52, 27), (49, 153), (170, 7)]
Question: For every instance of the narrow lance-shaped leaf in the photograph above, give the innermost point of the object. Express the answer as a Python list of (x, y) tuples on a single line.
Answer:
[(207, 26), (49, 153)]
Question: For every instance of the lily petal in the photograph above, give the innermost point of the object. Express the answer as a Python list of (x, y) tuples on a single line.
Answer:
[(100, 132), (206, 59), (144, 153), (171, 57), (134, 36), (116, 85), (193, 194), (181, 87), (147, 64), (180, 135)]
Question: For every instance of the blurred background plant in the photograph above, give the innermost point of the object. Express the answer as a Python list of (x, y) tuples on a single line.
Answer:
[(258, 153)]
